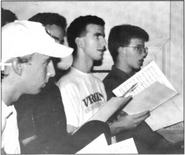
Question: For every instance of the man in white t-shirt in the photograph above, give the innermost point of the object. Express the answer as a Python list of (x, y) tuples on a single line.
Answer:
[(82, 93), (26, 68)]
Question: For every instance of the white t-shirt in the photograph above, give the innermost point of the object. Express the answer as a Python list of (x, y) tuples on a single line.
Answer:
[(9, 130), (83, 95)]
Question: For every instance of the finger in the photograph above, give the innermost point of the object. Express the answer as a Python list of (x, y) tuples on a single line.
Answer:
[(144, 113), (123, 113), (140, 119)]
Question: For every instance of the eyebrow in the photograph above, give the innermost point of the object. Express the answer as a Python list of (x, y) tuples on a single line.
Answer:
[(99, 34)]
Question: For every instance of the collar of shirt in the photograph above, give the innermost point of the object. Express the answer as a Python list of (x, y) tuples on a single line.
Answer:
[(119, 73), (6, 110)]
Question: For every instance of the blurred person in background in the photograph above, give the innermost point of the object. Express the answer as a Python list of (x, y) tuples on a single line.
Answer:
[(7, 16)]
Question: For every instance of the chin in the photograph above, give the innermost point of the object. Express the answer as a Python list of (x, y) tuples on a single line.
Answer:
[(36, 91), (99, 59), (137, 69)]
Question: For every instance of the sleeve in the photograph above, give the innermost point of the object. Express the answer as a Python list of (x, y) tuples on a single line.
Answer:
[(71, 100), (108, 84)]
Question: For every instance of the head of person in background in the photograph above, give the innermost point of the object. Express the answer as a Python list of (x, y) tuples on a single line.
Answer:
[(56, 26), (126, 44), (86, 33), (7, 16)]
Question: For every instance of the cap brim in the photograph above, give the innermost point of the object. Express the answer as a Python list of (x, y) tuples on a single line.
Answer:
[(57, 50)]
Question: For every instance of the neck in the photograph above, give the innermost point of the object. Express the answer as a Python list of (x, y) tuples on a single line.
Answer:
[(83, 63), (124, 68)]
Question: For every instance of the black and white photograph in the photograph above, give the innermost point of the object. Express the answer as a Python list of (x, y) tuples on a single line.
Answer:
[(92, 77)]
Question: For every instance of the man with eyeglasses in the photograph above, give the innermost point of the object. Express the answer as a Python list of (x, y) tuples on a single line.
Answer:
[(126, 44)]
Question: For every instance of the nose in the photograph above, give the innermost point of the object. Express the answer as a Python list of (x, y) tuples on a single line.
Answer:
[(103, 42), (50, 70), (145, 52)]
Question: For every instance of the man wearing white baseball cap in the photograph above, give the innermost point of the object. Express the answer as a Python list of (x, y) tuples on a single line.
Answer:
[(26, 68)]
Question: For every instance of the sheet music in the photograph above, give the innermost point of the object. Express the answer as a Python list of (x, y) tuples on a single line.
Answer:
[(147, 76), (178, 126), (149, 99), (169, 113)]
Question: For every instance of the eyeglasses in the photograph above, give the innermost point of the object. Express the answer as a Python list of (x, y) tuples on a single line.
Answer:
[(140, 49)]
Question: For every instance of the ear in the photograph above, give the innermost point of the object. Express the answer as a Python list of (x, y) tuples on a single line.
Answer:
[(121, 51), (79, 42), (17, 66)]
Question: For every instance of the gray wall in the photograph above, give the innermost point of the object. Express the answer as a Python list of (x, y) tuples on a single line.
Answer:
[(161, 19)]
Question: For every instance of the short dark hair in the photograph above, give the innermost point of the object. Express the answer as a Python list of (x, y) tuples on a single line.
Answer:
[(121, 35), (7, 16), (50, 18), (78, 28), (47, 18)]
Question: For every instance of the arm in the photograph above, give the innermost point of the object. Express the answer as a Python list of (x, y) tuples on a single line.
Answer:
[(126, 122)]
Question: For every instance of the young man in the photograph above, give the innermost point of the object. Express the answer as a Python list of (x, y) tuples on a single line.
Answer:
[(126, 44), (45, 108), (41, 117), (26, 65), (82, 93)]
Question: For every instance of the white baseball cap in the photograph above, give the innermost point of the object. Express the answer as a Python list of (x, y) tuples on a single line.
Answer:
[(21, 38)]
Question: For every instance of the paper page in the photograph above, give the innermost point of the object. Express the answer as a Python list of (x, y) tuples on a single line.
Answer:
[(178, 126), (149, 99), (126, 146), (174, 133), (110, 108), (99, 145), (114, 104), (169, 113), (145, 77)]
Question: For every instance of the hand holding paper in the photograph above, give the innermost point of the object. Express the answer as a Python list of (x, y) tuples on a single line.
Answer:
[(128, 122), (154, 92)]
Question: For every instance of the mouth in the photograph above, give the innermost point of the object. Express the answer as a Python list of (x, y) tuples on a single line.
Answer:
[(102, 49), (141, 61), (44, 85)]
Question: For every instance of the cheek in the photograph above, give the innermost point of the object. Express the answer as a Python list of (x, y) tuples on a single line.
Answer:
[(41, 72), (133, 57)]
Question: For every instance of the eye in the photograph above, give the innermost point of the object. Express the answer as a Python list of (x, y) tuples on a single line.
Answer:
[(140, 48), (99, 35), (47, 61), (62, 42)]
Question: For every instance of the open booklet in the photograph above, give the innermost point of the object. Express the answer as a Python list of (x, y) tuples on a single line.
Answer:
[(99, 145), (112, 106), (153, 92)]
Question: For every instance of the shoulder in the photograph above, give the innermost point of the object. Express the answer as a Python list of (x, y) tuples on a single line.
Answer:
[(67, 78)]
